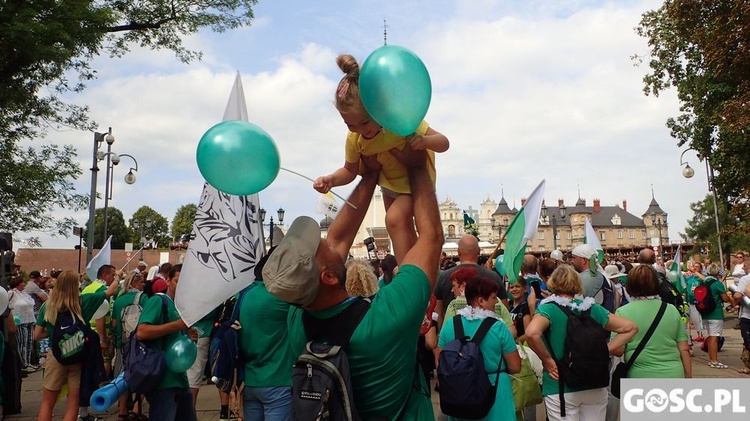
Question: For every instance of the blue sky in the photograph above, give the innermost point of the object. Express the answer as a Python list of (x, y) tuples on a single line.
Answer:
[(524, 90)]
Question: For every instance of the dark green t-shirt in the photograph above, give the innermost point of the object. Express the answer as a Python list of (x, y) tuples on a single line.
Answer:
[(89, 304), (152, 314)]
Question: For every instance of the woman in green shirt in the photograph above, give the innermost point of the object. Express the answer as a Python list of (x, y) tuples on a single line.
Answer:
[(666, 354)]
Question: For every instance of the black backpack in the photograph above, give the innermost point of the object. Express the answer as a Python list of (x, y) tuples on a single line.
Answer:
[(321, 381), (465, 389), (585, 360), (704, 298), (670, 294), (69, 338), (608, 295)]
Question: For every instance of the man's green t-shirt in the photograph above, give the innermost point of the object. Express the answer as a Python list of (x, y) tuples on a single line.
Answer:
[(383, 353), (660, 357), (205, 324), (558, 324), (268, 345), (153, 314), (89, 304), (717, 289)]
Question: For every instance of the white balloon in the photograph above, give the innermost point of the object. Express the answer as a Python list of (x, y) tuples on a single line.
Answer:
[(3, 300), (102, 310)]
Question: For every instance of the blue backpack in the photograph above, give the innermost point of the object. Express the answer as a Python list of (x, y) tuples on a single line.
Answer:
[(224, 355), (465, 389), (144, 367)]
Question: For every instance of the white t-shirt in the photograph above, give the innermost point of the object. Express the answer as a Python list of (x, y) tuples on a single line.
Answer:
[(739, 270), (22, 305), (741, 285)]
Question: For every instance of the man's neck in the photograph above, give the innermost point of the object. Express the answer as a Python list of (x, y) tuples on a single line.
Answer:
[(467, 262)]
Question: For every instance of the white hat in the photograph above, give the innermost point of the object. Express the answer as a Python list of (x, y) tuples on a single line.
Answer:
[(612, 271), (557, 255), (584, 250)]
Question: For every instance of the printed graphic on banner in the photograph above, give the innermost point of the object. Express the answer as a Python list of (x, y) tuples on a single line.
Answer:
[(684, 399)]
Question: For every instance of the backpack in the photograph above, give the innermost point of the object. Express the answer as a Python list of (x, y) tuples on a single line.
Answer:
[(129, 317), (669, 293), (585, 360), (321, 380), (704, 299), (224, 355), (608, 295), (144, 367), (465, 389), (69, 338)]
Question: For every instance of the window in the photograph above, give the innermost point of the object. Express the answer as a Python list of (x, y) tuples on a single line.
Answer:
[(570, 235), (651, 232), (541, 248), (540, 235), (619, 233), (631, 234), (643, 234), (616, 220), (602, 235), (451, 230), (557, 236)]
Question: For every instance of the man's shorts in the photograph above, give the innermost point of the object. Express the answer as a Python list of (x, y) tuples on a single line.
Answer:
[(195, 372), (713, 327), (57, 375)]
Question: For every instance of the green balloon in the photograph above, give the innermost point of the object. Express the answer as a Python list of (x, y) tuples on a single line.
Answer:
[(238, 157), (395, 89), (499, 267), (181, 354)]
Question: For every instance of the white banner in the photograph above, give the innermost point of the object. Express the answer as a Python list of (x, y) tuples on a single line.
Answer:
[(226, 241)]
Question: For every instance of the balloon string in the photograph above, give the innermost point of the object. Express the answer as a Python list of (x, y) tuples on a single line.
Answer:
[(308, 178)]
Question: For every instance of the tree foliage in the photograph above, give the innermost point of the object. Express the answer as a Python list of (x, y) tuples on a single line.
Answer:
[(183, 220), (115, 227), (48, 47), (702, 49), (701, 228), (150, 224)]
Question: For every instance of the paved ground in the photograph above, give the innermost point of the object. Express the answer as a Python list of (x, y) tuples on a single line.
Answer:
[(208, 400)]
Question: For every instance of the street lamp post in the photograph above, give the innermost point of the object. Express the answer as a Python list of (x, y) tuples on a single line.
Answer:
[(98, 139), (142, 226), (112, 160), (659, 224), (553, 221), (688, 172), (496, 224), (280, 214)]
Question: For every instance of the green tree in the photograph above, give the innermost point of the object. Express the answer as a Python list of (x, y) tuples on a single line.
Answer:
[(47, 50), (701, 228), (702, 49), (151, 224), (183, 220), (115, 227)]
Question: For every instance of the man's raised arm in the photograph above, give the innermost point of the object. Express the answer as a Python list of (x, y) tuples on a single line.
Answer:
[(425, 254), (344, 228)]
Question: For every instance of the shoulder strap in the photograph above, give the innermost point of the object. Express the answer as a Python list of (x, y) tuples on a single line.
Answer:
[(137, 299), (458, 329), (483, 329), (648, 334), (337, 329), (238, 303)]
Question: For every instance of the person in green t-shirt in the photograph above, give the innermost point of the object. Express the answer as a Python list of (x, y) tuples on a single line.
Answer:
[(666, 354), (309, 271), (172, 399), (713, 322), (565, 284), (458, 280), (66, 297), (693, 278)]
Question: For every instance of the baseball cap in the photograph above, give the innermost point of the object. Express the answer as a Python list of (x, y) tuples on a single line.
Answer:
[(557, 255), (142, 264), (160, 285), (34, 274), (612, 271), (584, 250), (291, 272)]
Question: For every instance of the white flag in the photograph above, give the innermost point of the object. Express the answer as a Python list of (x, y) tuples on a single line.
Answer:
[(327, 205), (104, 257), (226, 241)]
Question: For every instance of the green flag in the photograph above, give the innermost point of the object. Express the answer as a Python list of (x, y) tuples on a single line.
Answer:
[(522, 229)]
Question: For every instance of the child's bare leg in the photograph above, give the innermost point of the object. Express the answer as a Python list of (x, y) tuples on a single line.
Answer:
[(399, 221)]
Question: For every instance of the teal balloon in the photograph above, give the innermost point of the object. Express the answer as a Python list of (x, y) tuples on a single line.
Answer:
[(181, 354), (238, 157), (499, 265), (395, 89), (17, 320)]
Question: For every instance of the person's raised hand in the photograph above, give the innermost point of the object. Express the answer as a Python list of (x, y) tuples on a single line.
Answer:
[(417, 142), (410, 157), (323, 184)]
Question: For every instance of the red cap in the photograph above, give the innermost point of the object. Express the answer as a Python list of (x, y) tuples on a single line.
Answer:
[(160, 285)]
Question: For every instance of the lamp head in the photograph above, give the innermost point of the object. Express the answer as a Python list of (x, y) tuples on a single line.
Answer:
[(262, 214), (688, 171), (130, 177), (280, 213), (115, 159), (109, 138)]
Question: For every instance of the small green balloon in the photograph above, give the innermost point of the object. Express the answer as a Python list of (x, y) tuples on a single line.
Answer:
[(499, 267), (17, 320), (181, 354), (238, 157), (395, 88)]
